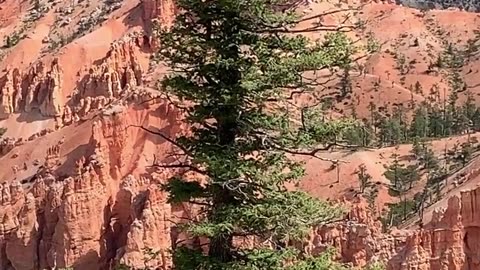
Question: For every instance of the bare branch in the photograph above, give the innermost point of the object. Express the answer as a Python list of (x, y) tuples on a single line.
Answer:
[(343, 28), (180, 166), (314, 152), (317, 16), (163, 136), (200, 203)]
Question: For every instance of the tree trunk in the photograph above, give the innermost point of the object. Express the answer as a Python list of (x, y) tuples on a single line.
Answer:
[(220, 247)]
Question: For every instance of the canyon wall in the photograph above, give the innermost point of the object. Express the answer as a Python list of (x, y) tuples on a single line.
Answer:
[(97, 216), (469, 5), (117, 76), (110, 210), (450, 241), (39, 88), (161, 10)]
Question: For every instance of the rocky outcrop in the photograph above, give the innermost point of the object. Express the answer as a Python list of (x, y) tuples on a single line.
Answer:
[(117, 79), (91, 219), (117, 76), (149, 233), (18, 228), (38, 89), (119, 72), (161, 10), (468, 5), (450, 241), (357, 240), (11, 93)]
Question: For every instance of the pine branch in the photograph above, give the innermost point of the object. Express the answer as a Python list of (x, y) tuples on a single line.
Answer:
[(314, 152)]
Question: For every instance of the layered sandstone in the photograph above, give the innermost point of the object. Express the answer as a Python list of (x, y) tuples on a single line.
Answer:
[(40, 88), (95, 217), (118, 77), (101, 215), (450, 241), (161, 10)]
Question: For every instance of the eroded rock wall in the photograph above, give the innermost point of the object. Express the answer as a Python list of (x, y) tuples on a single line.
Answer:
[(450, 241), (117, 76), (40, 88), (96, 217), (161, 10)]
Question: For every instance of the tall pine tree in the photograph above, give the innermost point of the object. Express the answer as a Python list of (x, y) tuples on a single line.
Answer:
[(232, 62)]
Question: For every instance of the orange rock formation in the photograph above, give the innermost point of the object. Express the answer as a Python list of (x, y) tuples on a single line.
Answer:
[(39, 88), (450, 241), (163, 10), (96, 216), (108, 209)]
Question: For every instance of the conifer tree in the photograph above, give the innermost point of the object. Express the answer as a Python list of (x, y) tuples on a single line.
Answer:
[(476, 120), (346, 82), (418, 88), (402, 178), (373, 120), (436, 123), (469, 107), (360, 134), (391, 131), (420, 123), (465, 153), (428, 159), (228, 59), (364, 178)]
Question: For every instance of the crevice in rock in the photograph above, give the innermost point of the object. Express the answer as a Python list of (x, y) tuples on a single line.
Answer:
[(38, 244), (109, 247)]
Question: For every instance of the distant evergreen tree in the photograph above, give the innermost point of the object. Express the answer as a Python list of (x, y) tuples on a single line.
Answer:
[(426, 156), (417, 148), (456, 82), (364, 178), (476, 120), (420, 124), (469, 107), (465, 153), (402, 178), (391, 131), (360, 134), (453, 58), (436, 124), (418, 89), (346, 82), (472, 48)]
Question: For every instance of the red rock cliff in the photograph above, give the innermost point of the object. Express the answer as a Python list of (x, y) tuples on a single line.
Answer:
[(162, 10), (450, 241), (98, 215)]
